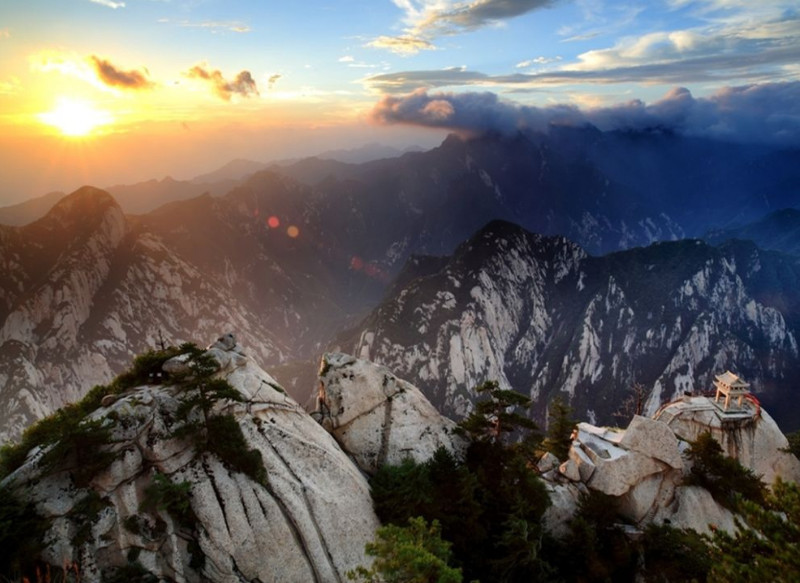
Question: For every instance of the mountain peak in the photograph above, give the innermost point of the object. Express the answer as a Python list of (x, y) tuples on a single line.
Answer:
[(86, 200)]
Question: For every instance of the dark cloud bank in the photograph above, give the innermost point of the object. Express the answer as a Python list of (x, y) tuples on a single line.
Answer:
[(765, 113)]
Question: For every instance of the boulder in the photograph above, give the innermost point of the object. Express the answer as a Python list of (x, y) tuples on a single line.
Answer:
[(308, 521), (618, 475), (547, 462), (693, 507), (652, 438), (647, 498), (378, 418), (564, 500), (582, 462)]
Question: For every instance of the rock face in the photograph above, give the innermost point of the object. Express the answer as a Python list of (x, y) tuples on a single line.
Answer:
[(378, 418), (309, 521), (643, 467), (752, 438), (86, 288), (542, 317)]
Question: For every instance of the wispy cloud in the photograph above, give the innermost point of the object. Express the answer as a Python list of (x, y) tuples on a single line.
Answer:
[(402, 45), (243, 85), (97, 71), (5, 33), (347, 59), (426, 20), (10, 87), (767, 113), (116, 77), (214, 26), (444, 18), (109, 3), (273, 79), (736, 54), (537, 61)]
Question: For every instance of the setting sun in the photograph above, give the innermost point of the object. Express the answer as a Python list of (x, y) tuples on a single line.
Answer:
[(75, 118)]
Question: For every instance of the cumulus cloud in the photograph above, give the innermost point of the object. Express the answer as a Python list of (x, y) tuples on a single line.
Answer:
[(243, 84), (109, 3), (402, 45), (115, 77), (764, 113)]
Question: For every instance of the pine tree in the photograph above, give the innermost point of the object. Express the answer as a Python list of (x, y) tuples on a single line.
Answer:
[(559, 428), (766, 544), (414, 553)]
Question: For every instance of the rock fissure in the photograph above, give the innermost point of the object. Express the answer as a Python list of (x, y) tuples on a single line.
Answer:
[(386, 432), (215, 488), (296, 533), (310, 511)]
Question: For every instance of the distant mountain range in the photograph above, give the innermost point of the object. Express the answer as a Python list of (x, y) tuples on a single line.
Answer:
[(778, 231), (290, 256), (542, 317)]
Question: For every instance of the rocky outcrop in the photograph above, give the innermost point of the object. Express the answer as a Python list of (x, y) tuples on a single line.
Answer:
[(749, 436), (641, 468), (307, 521), (378, 418), (539, 316)]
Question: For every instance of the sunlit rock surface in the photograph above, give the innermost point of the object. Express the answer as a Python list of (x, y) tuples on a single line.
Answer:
[(379, 418), (643, 467), (751, 437), (308, 522)]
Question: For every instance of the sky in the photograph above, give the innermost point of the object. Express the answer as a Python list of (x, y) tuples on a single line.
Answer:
[(108, 92)]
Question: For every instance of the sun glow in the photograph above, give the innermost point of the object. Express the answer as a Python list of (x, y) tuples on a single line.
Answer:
[(76, 118)]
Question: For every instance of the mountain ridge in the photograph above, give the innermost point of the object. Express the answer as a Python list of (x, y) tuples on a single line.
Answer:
[(541, 316)]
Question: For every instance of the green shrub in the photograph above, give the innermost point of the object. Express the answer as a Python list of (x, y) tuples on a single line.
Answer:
[(22, 531), (66, 421), (596, 548), (133, 572), (559, 428), (414, 553), (227, 442), (675, 555), (765, 545), (174, 498), (724, 477), (85, 513)]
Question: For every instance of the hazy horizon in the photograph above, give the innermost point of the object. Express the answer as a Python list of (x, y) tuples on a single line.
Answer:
[(109, 92)]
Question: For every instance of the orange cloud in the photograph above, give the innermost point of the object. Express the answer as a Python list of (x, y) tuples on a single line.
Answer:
[(115, 77), (243, 85)]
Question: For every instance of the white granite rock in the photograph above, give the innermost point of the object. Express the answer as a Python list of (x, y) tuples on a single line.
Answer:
[(309, 522), (754, 440), (652, 438), (695, 508), (618, 475), (379, 418), (547, 462), (564, 500), (583, 462)]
